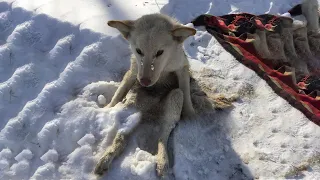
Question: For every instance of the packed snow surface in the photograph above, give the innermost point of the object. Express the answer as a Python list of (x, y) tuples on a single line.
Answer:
[(60, 64)]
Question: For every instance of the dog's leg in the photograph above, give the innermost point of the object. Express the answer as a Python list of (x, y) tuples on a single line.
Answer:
[(125, 85), (118, 144), (173, 107), (184, 84)]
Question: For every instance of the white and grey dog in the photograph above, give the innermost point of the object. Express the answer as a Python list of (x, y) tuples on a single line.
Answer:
[(156, 42), (157, 83)]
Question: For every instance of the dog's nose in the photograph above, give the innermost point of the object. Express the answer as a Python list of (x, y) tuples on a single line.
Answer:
[(145, 82)]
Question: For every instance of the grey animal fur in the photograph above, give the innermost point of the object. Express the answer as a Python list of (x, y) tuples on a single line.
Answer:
[(167, 96)]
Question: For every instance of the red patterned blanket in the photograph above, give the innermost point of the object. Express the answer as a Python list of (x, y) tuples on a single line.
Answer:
[(285, 55)]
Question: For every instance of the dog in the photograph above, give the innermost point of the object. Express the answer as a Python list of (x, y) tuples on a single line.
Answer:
[(157, 84), (158, 77)]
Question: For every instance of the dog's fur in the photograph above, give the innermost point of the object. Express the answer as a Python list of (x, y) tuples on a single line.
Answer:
[(160, 87), (150, 34), (165, 96)]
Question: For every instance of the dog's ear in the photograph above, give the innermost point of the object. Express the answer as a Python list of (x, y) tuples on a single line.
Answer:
[(125, 27), (180, 33)]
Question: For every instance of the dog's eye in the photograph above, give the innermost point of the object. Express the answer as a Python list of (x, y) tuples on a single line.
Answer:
[(159, 53), (139, 52)]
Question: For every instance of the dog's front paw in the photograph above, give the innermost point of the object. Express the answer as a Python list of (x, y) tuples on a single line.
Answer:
[(103, 165), (162, 166), (108, 106)]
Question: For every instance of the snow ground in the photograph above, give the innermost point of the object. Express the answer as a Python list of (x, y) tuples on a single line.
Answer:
[(57, 56)]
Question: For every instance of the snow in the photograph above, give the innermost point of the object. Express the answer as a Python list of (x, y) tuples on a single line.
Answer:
[(24, 155), (102, 100), (60, 64), (50, 156)]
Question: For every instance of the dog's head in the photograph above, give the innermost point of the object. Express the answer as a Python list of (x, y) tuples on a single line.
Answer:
[(155, 40)]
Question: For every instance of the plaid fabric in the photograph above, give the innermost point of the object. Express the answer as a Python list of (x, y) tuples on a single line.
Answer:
[(233, 33)]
